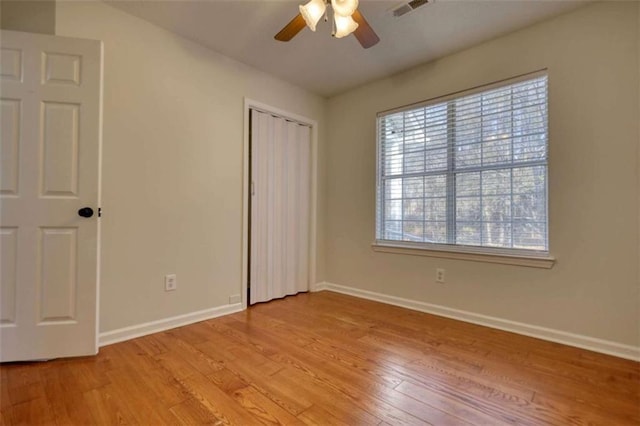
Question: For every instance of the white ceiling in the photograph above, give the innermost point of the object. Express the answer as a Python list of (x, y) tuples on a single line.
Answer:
[(244, 30)]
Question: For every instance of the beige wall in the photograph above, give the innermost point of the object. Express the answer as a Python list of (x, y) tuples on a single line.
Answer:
[(28, 15), (593, 290), (172, 164), (172, 173)]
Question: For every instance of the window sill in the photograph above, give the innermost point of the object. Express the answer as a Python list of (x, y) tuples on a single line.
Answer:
[(532, 261)]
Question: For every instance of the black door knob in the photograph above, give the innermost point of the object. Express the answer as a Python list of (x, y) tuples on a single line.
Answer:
[(85, 212)]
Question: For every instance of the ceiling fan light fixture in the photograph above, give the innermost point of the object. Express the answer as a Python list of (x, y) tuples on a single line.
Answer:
[(344, 8), (345, 25), (312, 12), (347, 19)]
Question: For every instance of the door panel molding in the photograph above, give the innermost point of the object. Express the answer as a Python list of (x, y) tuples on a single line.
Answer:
[(51, 94)]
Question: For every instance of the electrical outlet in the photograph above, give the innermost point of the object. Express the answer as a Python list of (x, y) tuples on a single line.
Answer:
[(440, 275), (170, 282)]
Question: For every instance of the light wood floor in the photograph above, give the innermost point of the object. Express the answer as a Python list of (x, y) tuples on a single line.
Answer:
[(326, 359)]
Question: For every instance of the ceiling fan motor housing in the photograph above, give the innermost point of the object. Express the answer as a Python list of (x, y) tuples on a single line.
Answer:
[(344, 7)]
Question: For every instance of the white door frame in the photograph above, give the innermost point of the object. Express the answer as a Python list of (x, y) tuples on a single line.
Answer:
[(250, 104)]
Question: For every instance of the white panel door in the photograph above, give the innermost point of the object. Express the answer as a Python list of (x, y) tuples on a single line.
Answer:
[(280, 174), (49, 170)]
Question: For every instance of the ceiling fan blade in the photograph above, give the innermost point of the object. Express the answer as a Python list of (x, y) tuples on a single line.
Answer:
[(364, 33), (291, 29)]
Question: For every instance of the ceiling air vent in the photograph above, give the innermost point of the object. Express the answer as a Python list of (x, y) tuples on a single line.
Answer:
[(409, 7)]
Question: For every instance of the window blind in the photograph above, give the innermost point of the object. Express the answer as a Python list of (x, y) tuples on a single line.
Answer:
[(467, 170)]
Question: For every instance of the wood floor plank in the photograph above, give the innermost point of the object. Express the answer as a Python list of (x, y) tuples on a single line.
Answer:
[(315, 390), (218, 402), (345, 380), (107, 407), (351, 382), (441, 400), (163, 385), (286, 397), (155, 344), (556, 386), (129, 354), (228, 381), (26, 393), (146, 405), (264, 408), (5, 401), (23, 383), (195, 358), (316, 415), (427, 414), (22, 374), (194, 334), (79, 376), (468, 388), (67, 406), (588, 413), (33, 412), (326, 359), (192, 412)]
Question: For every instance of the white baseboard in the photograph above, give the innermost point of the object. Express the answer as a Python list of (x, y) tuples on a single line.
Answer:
[(318, 287), (127, 333), (571, 339)]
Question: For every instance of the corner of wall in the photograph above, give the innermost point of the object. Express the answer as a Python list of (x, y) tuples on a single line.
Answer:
[(28, 16)]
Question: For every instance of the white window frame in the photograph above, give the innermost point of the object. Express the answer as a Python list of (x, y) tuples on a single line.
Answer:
[(509, 256)]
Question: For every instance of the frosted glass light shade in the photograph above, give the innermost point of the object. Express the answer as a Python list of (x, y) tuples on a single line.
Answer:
[(344, 7), (312, 12), (345, 25)]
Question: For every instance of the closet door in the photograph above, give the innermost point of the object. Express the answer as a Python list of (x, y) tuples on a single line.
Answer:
[(280, 182)]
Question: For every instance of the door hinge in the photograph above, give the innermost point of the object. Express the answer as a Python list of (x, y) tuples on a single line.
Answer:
[(99, 211)]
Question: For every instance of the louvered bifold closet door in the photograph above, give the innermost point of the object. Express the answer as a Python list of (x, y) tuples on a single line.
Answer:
[(280, 174)]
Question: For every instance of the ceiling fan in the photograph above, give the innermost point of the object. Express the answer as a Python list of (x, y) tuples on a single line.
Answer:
[(347, 19)]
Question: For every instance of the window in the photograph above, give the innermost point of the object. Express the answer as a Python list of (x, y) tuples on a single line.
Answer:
[(468, 170)]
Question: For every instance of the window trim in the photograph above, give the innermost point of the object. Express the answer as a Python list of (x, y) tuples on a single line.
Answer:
[(476, 254), (507, 256)]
